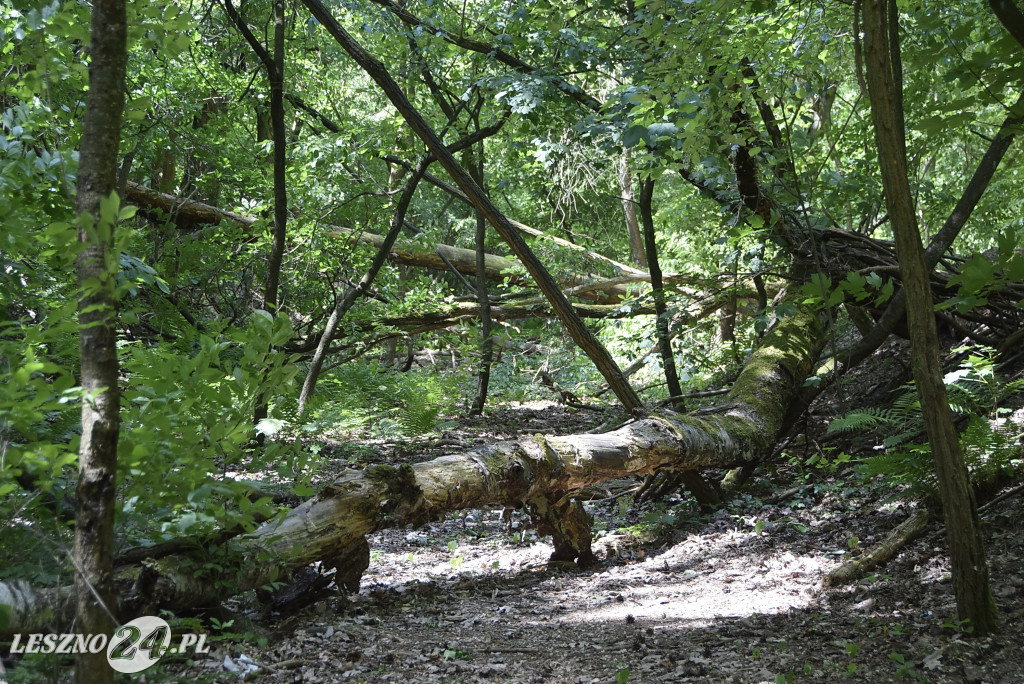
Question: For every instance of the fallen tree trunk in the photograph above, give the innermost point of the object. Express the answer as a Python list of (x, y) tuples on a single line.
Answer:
[(188, 214), (458, 312), (853, 570), (541, 473)]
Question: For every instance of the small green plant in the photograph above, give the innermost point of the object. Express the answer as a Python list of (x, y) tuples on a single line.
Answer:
[(624, 504), (958, 626), (455, 653), (622, 674), (822, 460), (905, 668), (456, 560)]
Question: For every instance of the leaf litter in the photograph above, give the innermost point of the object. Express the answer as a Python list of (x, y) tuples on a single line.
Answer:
[(731, 596)]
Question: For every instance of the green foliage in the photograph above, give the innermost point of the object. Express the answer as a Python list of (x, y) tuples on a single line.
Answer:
[(984, 275), (188, 427), (383, 401), (904, 667), (672, 78), (456, 653), (856, 288), (988, 442)]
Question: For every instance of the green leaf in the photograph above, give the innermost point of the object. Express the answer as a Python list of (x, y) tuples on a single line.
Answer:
[(633, 135), (303, 490), (270, 426)]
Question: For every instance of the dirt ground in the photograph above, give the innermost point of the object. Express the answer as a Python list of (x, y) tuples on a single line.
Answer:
[(734, 595)]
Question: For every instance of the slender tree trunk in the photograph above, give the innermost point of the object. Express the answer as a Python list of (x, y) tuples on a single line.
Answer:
[(706, 496), (636, 237), (967, 551), (661, 321), (96, 265), (271, 292), (274, 66), (476, 166), (271, 296), (580, 334)]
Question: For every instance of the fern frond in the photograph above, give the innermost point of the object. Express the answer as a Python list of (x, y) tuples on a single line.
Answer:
[(909, 471), (907, 402), (861, 420)]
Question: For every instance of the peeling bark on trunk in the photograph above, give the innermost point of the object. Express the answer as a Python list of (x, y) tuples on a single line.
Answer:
[(93, 552), (541, 473)]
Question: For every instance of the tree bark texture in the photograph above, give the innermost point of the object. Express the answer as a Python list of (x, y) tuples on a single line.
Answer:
[(539, 472), (636, 237), (579, 333), (967, 551), (97, 316)]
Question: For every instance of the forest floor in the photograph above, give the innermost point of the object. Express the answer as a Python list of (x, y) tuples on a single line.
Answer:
[(678, 595)]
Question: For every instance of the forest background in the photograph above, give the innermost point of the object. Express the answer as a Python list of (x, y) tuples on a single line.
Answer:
[(666, 182)]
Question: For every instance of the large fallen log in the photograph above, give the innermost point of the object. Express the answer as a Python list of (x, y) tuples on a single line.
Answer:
[(189, 214), (541, 473)]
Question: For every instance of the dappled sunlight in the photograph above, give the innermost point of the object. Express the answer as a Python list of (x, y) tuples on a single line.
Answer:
[(705, 578), (698, 580)]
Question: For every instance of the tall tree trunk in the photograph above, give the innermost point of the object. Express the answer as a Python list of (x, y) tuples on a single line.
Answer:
[(967, 551), (636, 237), (476, 166), (580, 334), (97, 311), (661, 320), (274, 66), (271, 296), (705, 495)]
